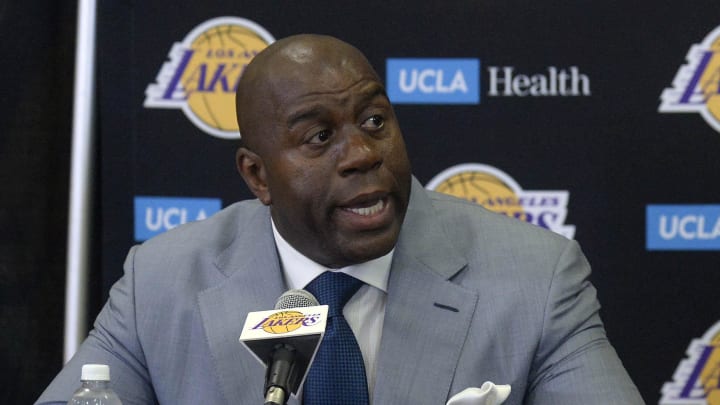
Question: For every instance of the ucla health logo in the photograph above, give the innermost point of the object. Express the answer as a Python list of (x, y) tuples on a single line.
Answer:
[(155, 215), (433, 81), (683, 227), (696, 380), (498, 192), (696, 87), (203, 70)]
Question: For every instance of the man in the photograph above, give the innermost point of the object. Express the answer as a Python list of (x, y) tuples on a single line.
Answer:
[(454, 295)]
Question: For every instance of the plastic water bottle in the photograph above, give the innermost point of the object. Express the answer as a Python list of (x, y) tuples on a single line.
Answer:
[(95, 389)]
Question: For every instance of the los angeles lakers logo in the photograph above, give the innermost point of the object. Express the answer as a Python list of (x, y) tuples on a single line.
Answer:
[(697, 379), (696, 88), (203, 70), (286, 321), (498, 192)]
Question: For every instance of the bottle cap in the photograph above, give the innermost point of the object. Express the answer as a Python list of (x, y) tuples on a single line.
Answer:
[(95, 372)]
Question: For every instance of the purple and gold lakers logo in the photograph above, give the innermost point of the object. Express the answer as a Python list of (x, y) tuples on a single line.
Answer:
[(286, 321), (696, 88), (498, 192), (697, 379), (203, 71)]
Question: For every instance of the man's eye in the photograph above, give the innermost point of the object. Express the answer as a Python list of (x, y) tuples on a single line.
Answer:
[(374, 122), (320, 137)]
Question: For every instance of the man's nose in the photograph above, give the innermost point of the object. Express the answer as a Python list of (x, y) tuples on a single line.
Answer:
[(359, 152)]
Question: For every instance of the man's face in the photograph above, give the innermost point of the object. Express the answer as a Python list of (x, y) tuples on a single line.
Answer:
[(335, 164)]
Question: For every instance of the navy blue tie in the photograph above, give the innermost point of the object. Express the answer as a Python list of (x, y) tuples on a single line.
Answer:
[(337, 375)]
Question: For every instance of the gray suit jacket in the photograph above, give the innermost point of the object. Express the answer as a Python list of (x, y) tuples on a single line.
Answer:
[(473, 296)]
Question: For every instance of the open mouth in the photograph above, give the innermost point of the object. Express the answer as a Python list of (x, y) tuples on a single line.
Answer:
[(367, 211)]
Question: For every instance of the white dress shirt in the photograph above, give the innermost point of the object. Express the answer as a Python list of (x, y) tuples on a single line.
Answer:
[(364, 312)]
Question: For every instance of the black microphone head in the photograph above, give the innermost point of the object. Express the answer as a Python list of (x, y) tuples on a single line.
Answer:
[(296, 299)]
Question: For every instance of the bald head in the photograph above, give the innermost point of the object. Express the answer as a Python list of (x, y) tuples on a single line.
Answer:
[(323, 149), (291, 67)]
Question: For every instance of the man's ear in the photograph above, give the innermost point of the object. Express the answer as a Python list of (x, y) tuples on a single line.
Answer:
[(252, 169)]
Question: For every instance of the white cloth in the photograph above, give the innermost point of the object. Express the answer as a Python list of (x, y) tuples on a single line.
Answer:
[(488, 394), (365, 312)]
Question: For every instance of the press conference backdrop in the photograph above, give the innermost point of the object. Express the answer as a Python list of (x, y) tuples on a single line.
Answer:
[(597, 120)]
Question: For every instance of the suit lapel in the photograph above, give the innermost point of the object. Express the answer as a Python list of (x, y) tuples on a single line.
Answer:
[(427, 317), (254, 281)]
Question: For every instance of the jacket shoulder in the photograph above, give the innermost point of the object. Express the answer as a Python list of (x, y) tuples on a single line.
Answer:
[(215, 231), (197, 245)]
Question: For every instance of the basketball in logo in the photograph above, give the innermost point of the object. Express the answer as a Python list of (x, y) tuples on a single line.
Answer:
[(202, 74), (710, 79), (283, 322), (710, 375), (482, 185), (211, 77)]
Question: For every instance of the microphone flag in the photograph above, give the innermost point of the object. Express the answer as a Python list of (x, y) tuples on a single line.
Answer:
[(300, 328)]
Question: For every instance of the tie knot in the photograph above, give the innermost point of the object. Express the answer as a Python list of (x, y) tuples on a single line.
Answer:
[(334, 289)]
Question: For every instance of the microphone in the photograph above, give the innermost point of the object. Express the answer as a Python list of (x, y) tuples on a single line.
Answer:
[(281, 375), (285, 341)]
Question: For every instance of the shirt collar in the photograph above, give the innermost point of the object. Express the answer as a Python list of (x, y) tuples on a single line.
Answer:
[(299, 270)]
